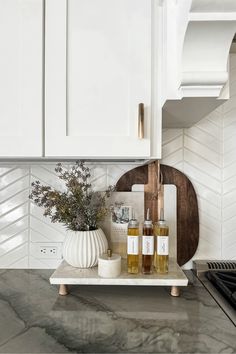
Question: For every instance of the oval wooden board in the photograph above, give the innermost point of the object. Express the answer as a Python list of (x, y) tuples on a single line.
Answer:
[(187, 206)]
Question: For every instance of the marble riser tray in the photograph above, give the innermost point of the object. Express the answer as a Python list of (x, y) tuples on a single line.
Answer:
[(66, 274)]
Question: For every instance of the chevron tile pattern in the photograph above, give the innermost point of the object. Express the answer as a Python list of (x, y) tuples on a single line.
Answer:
[(206, 154), (42, 231), (203, 165), (23, 228), (172, 147), (229, 170), (201, 161), (14, 216)]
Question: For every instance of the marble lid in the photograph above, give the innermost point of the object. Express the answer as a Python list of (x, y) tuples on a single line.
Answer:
[(114, 258)]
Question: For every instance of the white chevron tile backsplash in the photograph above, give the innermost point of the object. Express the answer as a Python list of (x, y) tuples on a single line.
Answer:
[(202, 163), (204, 152), (172, 147), (209, 160), (41, 229), (229, 170), (14, 217)]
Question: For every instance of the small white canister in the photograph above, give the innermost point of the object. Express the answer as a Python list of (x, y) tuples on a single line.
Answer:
[(109, 265)]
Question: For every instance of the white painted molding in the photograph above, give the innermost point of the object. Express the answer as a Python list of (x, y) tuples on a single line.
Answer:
[(204, 78), (209, 16), (197, 40), (205, 54), (213, 6), (200, 91)]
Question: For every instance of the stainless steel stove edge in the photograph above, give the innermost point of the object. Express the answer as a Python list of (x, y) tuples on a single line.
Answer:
[(200, 267), (205, 265)]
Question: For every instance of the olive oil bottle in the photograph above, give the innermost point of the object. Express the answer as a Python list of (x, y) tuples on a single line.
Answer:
[(147, 246), (133, 246), (161, 231)]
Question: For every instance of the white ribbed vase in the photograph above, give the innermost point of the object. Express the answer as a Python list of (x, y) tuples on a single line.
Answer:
[(82, 248)]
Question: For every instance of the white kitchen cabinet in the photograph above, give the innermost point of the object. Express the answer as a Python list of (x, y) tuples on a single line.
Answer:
[(21, 43), (98, 69)]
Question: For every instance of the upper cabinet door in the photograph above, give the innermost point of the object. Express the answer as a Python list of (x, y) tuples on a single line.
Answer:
[(97, 72), (21, 38)]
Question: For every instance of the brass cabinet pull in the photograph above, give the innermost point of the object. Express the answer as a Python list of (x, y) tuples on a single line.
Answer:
[(141, 121)]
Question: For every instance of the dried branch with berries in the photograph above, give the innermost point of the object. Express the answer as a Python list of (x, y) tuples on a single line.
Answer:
[(79, 207)]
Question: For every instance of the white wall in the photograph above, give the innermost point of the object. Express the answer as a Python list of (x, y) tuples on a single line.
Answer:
[(23, 226), (206, 153)]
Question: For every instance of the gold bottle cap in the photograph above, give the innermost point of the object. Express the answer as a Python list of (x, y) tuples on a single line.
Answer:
[(161, 222), (109, 253), (133, 224)]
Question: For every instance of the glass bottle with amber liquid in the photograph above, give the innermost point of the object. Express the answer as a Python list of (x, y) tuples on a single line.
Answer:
[(147, 246), (133, 246), (161, 231)]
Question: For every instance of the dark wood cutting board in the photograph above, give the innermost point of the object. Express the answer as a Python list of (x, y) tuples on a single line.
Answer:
[(187, 207)]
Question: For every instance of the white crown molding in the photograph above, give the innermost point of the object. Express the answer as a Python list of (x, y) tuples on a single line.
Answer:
[(196, 41), (200, 91), (213, 6), (210, 16), (205, 53), (196, 45), (208, 78)]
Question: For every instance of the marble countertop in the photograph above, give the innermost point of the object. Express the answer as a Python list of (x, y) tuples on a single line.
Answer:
[(108, 319)]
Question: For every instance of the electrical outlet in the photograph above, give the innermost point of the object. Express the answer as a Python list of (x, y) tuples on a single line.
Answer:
[(47, 250), (50, 250)]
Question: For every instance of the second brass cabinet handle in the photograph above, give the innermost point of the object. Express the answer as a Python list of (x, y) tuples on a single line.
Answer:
[(141, 121)]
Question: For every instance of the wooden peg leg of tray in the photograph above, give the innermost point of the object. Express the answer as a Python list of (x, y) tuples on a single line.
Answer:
[(175, 291), (63, 290)]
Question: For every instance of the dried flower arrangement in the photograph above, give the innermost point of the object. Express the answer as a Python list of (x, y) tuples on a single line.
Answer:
[(79, 208)]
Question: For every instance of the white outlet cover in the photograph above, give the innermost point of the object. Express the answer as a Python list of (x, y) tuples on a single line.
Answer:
[(36, 247)]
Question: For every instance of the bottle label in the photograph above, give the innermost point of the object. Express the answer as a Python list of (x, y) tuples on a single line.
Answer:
[(148, 245), (162, 245), (132, 245)]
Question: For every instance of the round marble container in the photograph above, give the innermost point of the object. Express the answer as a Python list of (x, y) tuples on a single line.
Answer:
[(109, 267)]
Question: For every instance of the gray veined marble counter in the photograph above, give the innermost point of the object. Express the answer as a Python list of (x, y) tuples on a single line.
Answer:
[(108, 319)]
